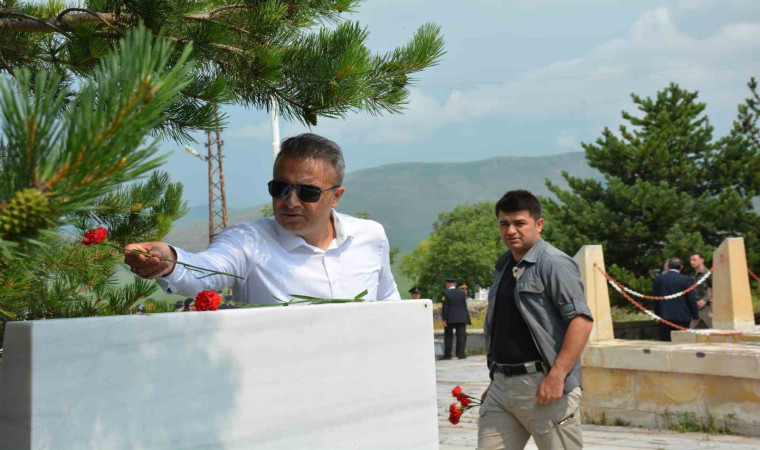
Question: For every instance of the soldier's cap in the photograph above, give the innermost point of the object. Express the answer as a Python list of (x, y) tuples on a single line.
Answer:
[(462, 286), (415, 290), (451, 280)]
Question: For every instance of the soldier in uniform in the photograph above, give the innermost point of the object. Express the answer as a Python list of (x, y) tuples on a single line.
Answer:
[(454, 316), (416, 293)]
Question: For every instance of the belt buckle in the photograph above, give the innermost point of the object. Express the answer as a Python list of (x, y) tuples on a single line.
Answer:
[(531, 368)]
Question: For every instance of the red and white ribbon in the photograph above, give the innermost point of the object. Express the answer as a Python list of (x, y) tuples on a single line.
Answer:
[(619, 287), (701, 280)]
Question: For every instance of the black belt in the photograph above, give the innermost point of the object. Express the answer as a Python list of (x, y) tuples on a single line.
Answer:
[(511, 370)]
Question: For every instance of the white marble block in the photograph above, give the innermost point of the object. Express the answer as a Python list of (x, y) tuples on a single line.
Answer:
[(336, 376)]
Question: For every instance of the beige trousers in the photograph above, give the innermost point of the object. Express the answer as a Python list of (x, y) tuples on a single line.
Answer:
[(509, 416)]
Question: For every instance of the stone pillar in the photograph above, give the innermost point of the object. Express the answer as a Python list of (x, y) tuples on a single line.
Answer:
[(589, 257), (732, 301)]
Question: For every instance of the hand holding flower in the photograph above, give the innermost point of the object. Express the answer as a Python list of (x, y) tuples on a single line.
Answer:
[(148, 259), (150, 267)]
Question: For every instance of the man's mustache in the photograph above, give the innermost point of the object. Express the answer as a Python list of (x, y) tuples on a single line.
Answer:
[(285, 209)]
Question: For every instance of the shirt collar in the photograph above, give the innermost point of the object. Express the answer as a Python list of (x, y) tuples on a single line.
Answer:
[(290, 241), (533, 252), (673, 270)]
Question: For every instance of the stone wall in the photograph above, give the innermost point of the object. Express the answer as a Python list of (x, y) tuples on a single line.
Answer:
[(475, 307), (701, 381), (655, 384)]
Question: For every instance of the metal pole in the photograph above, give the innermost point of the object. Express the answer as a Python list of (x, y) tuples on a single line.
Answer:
[(219, 143), (273, 118), (210, 160)]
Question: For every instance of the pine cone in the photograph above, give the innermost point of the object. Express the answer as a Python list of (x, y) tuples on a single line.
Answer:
[(24, 213)]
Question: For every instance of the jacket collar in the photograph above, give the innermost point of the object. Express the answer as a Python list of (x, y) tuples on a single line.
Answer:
[(531, 256)]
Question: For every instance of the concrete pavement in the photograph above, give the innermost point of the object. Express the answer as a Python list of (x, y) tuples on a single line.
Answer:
[(472, 375)]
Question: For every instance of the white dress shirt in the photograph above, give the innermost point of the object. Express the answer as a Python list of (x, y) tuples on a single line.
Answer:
[(277, 263)]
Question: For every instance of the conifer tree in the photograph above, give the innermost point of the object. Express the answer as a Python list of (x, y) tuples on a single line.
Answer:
[(249, 52), (64, 160), (669, 188), (87, 91)]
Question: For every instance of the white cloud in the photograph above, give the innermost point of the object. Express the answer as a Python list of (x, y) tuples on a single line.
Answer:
[(257, 131), (653, 53), (567, 141)]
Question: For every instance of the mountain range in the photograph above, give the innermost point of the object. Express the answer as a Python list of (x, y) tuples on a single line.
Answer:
[(407, 197)]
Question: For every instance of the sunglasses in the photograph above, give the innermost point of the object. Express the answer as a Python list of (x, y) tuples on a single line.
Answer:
[(305, 192)]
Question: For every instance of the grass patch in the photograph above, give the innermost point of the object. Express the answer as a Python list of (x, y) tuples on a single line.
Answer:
[(686, 422), (627, 314)]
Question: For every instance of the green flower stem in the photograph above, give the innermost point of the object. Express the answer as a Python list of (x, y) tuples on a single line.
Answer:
[(208, 272)]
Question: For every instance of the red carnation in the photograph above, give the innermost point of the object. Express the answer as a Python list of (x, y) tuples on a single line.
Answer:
[(455, 413), (457, 391), (464, 400), (95, 236), (207, 301)]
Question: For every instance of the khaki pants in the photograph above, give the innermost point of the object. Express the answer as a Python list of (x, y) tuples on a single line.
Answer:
[(509, 416)]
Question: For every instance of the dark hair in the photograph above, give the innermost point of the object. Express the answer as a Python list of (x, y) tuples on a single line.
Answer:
[(312, 146), (675, 263), (519, 200), (698, 254)]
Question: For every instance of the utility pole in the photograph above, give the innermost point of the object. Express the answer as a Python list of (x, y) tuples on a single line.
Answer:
[(217, 200)]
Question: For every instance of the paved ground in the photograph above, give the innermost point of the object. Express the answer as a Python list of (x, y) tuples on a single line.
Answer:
[(471, 374)]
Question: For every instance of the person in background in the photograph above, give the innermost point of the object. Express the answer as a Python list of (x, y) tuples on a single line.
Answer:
[(681, 310), (703, 292), (455, 316), (537, 325)]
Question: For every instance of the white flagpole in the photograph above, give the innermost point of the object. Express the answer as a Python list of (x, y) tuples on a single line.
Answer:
[(273, 117)]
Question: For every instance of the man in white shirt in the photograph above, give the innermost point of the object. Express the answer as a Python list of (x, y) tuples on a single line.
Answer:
[(307, 248)]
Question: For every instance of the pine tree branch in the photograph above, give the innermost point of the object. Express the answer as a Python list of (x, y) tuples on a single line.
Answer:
[(228, 7), (68, 18), (223, 47), (99, 16), (206, 18), (32, 56), (25, 20)]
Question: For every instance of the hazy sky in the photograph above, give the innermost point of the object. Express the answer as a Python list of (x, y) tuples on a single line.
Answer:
[(533, 77)]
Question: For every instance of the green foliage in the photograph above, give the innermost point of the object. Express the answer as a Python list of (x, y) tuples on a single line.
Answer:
[(138, 212), (687, 422), (624, 314), (300, 53), (464, 244), (97, 143), (72, 280), (669, 188), (68, 166), (267, 210)]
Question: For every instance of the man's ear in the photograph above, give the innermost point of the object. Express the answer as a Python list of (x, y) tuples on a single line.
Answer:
[(338, 194)]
